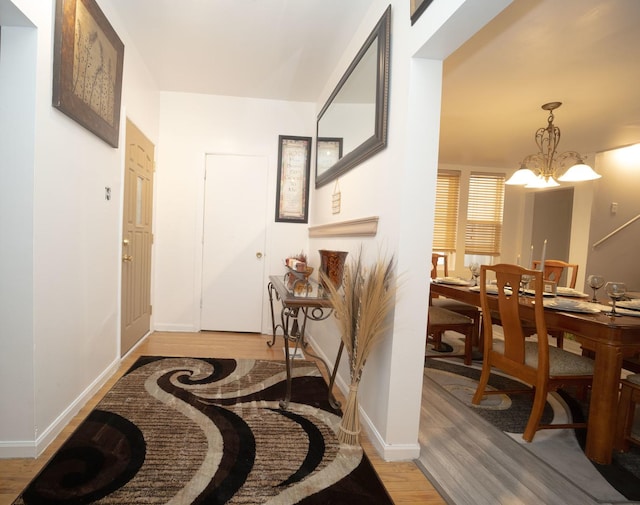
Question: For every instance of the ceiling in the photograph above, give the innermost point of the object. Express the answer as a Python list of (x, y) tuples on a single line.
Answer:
[(583, 53), (274, 49)]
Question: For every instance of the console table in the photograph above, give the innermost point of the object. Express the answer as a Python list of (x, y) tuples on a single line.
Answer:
[(296, 309)]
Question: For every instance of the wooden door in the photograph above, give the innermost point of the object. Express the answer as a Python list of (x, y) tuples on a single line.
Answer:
[(137, 238), (235, 220)]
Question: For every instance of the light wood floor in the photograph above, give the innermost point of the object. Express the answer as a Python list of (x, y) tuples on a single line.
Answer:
[(404, 481)]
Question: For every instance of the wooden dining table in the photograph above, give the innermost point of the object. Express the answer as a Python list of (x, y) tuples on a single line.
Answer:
[(611, 339)]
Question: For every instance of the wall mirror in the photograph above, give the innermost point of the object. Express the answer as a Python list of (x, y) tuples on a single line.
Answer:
[(352, 125)]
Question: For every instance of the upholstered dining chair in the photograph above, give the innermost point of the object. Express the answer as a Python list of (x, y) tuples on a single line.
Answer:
[(544, 367), (440, 320), (465, 309), (629, 398), (555, 269)]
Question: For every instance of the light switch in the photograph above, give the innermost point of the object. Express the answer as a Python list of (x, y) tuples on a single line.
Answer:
[(614, 207), (107, 193)]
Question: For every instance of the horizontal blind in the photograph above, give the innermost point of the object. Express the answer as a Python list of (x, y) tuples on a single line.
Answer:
[(483, 234), (446, 218)]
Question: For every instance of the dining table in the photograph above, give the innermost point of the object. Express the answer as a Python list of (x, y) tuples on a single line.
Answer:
[(609, 338)]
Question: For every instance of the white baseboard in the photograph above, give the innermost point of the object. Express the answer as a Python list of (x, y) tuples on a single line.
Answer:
[(187, 328), (33, 448), (388, 452)]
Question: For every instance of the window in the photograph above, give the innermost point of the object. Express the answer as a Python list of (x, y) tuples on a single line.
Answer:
[(483, 233), (446, 218)]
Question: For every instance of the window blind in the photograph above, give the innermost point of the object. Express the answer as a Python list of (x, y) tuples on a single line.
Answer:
[(446, 218), (483, 234)]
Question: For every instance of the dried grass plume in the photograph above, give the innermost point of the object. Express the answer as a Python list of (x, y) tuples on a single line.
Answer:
[(362, 307)]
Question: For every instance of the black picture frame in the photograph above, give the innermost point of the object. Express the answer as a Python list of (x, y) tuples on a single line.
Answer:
[(294, 170), (88, 59), (417, 8)]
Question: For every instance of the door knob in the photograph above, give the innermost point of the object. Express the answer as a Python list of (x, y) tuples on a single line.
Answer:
[(127, 257), (258, 255)]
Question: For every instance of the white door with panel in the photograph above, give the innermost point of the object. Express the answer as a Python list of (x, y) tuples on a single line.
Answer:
[(235, 211)]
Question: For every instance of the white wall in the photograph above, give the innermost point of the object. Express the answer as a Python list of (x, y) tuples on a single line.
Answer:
[(17, 124), (191, 126), (616, 258), (63, 340), (398, 185)]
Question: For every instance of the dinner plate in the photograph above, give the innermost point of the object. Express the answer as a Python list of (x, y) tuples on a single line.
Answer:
[(452, 280), (564, 291), (627, 312), (532, 292), (620, 310), (492, 289), (629, 304), (571, 306)]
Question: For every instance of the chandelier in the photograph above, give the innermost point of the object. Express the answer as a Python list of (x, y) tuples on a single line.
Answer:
[(541, 170)]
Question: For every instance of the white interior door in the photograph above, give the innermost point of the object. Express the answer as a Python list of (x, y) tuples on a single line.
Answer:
[(234, 241)]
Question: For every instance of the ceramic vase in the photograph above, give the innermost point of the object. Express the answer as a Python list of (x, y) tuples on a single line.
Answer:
[(332, 265)]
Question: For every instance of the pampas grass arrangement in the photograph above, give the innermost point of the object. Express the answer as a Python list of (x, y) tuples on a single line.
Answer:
[(361, 308)]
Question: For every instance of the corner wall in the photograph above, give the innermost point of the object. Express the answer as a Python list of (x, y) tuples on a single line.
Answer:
[(63, 333)]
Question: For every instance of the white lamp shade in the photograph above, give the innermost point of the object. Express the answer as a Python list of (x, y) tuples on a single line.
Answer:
[(521, 177), (541, 183), (579, 172)]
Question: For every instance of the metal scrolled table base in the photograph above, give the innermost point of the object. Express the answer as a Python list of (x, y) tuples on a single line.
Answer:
[(293, 321)]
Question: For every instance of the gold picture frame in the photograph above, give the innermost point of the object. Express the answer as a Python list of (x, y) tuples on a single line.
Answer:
[(87, 68), (294, 169)]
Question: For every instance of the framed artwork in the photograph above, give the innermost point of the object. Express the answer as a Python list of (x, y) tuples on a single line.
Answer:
[(294, 168), (328, 151), (417, 8), (87, 68)]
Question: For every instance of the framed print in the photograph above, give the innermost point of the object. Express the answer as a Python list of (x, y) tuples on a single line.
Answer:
[(294, 166), (329, 150), (417, 8), (87, 68)]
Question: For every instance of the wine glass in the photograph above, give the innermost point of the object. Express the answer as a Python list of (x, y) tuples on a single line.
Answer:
[(595, 282), (525, 279), (475, 272), (615, 291)]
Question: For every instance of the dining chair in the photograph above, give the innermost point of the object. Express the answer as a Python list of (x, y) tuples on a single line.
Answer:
[(465, 309), (544, 367), (629, 398), (440, 320), (555, 269)]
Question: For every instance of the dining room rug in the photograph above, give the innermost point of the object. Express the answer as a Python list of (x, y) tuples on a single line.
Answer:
[(206, 430), (561, 449)]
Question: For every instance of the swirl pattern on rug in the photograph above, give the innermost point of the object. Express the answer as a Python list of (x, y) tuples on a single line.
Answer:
[(204, 430)]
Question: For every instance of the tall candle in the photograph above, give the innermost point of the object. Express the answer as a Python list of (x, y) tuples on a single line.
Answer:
[(518, 260), (530, 264), (544, 253)]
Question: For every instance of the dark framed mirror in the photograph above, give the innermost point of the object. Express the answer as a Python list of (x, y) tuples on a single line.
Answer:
[(352, 125)]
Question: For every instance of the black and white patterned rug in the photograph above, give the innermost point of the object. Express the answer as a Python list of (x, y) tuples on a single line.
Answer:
[(196, 431)]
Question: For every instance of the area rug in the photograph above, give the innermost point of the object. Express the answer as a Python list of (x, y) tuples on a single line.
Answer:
[(561, 449), (209, 431)]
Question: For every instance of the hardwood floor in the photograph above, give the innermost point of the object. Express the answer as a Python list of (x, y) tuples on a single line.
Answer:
[(404, 481)]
